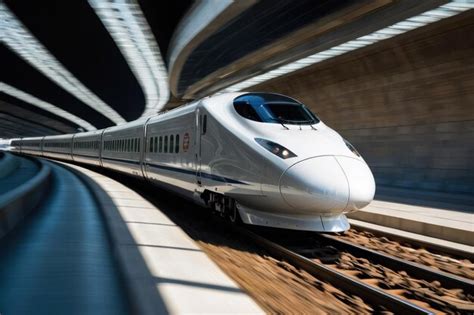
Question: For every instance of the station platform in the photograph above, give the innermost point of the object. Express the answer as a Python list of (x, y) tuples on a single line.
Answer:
[(164, 270), (447, 217)]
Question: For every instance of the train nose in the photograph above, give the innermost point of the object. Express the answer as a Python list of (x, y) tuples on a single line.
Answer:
[(361, 183), (324, 185)]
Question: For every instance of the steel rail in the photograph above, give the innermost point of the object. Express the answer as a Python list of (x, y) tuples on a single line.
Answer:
[(416, 270), (341, 281)]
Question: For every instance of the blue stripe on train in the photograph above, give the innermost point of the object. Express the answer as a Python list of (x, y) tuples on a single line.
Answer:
[(183, 171)]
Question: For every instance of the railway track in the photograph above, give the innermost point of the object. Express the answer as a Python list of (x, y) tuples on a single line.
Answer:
[(332, 260), (456, 262)]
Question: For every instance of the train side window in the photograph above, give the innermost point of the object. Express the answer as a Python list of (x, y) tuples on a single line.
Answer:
[(156, 144), (176, 147), (165, 149), (171, 144), (138, 144), (151, 145), (160, 148), (204, 124)]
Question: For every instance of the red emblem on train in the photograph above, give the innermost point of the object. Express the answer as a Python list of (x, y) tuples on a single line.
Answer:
[(186, 142)]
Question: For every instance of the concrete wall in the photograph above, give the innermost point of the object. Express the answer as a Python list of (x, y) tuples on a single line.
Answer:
[(407, 104)]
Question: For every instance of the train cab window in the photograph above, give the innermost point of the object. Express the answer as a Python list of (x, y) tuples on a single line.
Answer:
[(160, 147), (171, 144), (247, 111), (165, 147), (176, 146), (273, 108)]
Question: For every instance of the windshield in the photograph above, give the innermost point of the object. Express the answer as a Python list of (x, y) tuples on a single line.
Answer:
[(273, 108)]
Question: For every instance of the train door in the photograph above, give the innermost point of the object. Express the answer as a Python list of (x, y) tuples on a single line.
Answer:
[(197, 146), (144, 149)]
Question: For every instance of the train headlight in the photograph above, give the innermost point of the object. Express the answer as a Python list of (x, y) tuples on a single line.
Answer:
[(275, 148), (351, 147)]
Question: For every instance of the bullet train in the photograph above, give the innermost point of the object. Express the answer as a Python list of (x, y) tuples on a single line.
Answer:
[(261, 158)]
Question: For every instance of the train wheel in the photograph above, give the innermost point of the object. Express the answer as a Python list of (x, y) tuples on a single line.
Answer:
[(233, 214)]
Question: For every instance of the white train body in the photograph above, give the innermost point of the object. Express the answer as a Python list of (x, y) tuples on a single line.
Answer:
[(235, 153)]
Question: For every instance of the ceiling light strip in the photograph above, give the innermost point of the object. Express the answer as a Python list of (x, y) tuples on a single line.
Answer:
[(129, 29), (442, 12), (28, 98), (18, 38)]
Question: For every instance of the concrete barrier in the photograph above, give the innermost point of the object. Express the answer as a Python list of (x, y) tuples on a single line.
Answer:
[(8, 163), (431, 229), (17, 203)]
